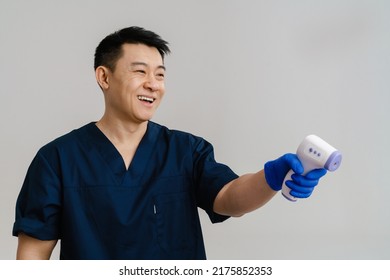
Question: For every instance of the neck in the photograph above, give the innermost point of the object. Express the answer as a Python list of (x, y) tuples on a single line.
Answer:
[(121, 131), (124, 136)]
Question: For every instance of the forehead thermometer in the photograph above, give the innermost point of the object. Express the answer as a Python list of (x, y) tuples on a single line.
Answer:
[(313, 152)]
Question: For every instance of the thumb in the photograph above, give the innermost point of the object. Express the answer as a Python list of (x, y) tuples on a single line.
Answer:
[(294, 163)]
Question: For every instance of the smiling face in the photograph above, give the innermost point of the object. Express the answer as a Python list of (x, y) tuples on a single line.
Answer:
[(134, 89)]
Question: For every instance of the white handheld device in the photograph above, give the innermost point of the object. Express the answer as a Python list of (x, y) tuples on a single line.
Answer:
[(313, 153)]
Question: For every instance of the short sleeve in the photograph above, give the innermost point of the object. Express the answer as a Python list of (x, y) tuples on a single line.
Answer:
[(38, 207), (210, 177)]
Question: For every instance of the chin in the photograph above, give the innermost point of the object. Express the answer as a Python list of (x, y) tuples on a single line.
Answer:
[(144, 118)]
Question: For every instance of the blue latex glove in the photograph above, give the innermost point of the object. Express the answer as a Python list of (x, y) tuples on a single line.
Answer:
[(301, 186)]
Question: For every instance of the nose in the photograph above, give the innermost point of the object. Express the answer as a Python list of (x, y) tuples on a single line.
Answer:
[(152, 83)]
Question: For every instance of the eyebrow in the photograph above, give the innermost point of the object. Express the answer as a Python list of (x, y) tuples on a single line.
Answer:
[(146, 65)]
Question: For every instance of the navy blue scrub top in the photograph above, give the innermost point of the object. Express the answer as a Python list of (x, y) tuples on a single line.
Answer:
[(77, 189)]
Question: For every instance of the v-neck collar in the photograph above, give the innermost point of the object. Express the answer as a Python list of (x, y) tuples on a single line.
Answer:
[(133, 175)]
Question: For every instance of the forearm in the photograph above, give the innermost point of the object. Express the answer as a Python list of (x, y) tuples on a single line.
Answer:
[(30, 248), (244, 194)]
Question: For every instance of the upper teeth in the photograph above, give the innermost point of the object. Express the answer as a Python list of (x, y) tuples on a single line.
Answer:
[(145, 98)]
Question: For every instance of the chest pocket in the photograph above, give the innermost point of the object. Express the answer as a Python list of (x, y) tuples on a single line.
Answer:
[(177, 225)]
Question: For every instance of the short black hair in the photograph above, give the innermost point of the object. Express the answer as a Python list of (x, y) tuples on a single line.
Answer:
[(109, 49)]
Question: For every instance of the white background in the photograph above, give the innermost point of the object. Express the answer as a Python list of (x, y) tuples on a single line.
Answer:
[(253, 77)]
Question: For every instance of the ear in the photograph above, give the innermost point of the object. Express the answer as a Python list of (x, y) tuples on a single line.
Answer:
[(101, 74)]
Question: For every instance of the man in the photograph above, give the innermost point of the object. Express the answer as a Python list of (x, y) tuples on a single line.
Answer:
[(128, 188)]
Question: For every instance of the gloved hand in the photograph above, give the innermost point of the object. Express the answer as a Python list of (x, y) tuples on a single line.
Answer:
[(301, 186)]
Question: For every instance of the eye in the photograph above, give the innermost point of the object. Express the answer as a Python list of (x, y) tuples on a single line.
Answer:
[(140, 71), (160, 75)]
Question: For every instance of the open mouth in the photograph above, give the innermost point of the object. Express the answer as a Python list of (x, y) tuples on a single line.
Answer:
[(150, 100)]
